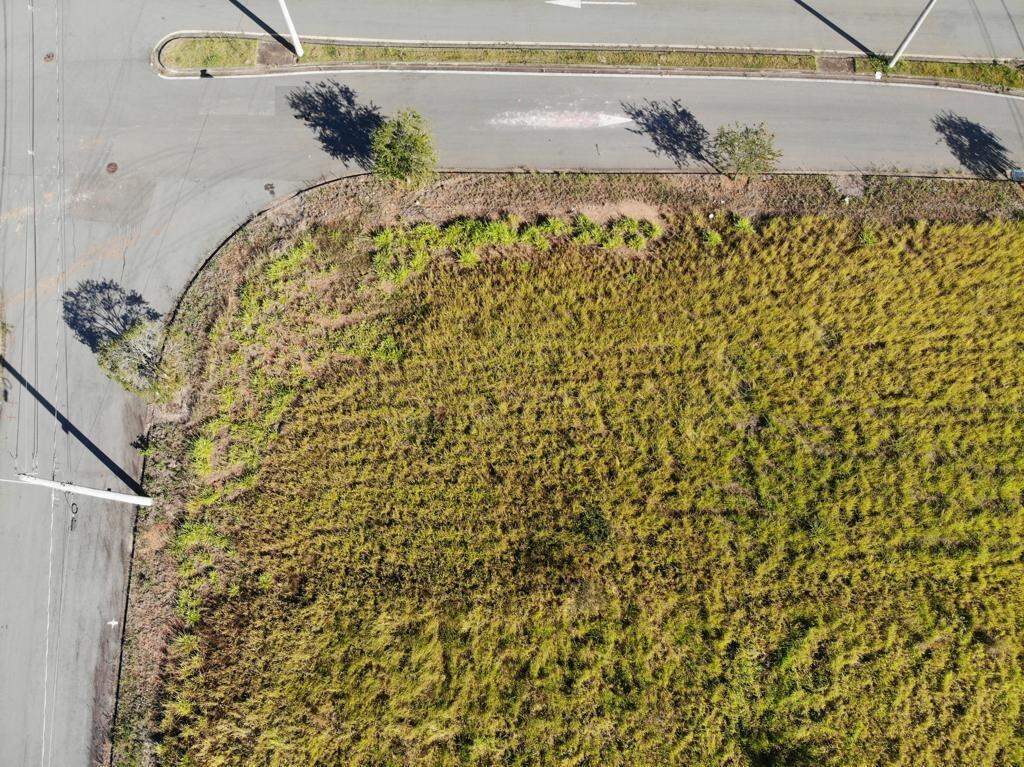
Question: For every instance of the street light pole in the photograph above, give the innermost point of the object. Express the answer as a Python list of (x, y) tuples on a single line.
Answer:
[(291, 29), (910, 35)]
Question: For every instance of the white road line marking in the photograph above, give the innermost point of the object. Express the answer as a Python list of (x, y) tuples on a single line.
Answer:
[(608, 75), (577, 4), (46, 653), (558, 119)]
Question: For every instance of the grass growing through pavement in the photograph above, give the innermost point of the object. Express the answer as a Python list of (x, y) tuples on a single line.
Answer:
[(209, 53), (746, 499), (995, 74)]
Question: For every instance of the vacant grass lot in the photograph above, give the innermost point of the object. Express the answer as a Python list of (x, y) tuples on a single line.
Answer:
[(599, 496)]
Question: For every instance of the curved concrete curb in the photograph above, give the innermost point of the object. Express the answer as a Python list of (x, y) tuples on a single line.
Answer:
[(172, 314), (514, 69)]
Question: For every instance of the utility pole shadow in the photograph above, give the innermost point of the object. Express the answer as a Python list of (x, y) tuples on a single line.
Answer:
[(263, 25), (73, 430), (837, 29)]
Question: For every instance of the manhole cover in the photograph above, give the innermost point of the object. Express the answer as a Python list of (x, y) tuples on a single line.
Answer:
[(48, 57), (111, 167)]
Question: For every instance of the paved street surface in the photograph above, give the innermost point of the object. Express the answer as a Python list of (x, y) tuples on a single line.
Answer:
[(969, 28), (195, 158)]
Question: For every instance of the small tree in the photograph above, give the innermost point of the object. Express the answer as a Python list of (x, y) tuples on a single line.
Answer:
[(745, 150), (133, 360), (402, 150)]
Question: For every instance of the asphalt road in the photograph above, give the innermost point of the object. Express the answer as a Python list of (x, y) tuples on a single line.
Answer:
[(967, 28), (195, 158)]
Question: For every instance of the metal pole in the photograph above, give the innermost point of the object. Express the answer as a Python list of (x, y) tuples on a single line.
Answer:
[(910, 35), (135, 500), (291, 29)]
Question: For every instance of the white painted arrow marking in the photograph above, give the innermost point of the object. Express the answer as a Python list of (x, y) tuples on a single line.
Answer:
[(577, 4), (544, 119), (112, 624)]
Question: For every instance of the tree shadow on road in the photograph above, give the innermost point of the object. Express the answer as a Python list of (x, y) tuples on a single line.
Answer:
[(101, 311), (673, 129), (974, 146), (343, 126)]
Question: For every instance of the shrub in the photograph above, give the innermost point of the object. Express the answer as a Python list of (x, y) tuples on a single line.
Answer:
[(743, 224), (400, 252), (402, 150), (133, 360), (387, 350), (711, 238), (745, 150), (868, 238), (585, 231)]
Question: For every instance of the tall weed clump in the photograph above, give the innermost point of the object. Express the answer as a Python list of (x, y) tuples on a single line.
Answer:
[(401, 251)]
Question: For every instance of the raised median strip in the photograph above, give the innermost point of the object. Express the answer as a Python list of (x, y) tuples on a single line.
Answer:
[(209, 54), (189, 54)]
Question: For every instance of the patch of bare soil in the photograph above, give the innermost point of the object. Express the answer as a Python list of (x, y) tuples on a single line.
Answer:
[(883, 200), (609, 211)]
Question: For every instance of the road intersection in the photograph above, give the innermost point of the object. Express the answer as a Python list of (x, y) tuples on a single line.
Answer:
[(110, 172)]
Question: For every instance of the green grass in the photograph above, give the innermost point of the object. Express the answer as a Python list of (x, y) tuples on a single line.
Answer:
[(995, 74), (213, 52), (753, 504), (400, 252), (208, 53), (365, 54)]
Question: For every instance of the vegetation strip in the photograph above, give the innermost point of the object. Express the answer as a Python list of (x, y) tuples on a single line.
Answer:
[(567, 57), (191, 53), (195, 53), (994, 74), (209, 52)]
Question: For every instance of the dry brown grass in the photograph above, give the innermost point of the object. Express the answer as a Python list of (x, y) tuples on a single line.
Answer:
[(152, 613)]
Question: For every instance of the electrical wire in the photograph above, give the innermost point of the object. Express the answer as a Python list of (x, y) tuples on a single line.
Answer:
[(61, 240), (35, 227)]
